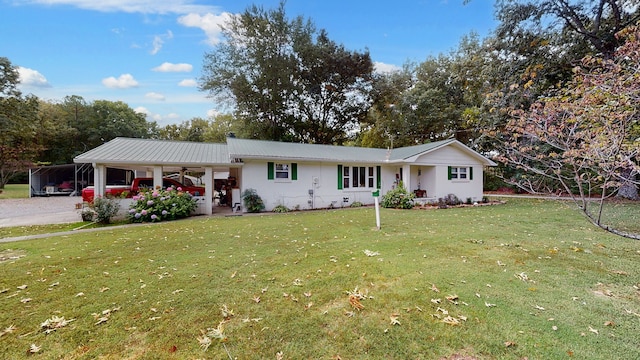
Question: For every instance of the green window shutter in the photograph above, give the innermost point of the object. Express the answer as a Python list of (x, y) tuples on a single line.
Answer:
[(470, 172), (339, 177), (294, 171), (270, 171), (449, 172), (378, 177)]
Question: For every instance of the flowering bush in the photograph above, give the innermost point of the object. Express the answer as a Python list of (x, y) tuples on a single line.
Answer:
[(398, 198), (158, 205), (102, 209)]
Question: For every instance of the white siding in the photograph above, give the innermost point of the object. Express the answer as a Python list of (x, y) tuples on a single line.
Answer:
[(320, 179)]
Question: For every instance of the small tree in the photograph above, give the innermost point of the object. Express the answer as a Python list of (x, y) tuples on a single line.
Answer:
[(586, 137)]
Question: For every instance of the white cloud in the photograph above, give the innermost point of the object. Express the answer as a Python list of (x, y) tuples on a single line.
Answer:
[(32, 78), (188, 83), (158, 41), (209, 23), (170, 67), (133, 6), (382, 68), (142, 110), (125, 81), (212, 113), (155, 96)]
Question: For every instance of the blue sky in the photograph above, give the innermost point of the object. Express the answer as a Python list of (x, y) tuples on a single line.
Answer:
[(149, 53)]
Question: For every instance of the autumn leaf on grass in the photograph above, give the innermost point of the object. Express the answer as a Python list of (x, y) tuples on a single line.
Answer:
[(394, 319), (226, 312), (453, 299), (256, 299), (355, 302), (204, 342), (217, 332), (595, 331), (451, 321), (522, 276), (8, 330), (34, 349), (54, 323), (371, 253), (434, 288)]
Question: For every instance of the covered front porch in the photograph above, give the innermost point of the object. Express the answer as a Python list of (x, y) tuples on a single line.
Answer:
[(421, 181)]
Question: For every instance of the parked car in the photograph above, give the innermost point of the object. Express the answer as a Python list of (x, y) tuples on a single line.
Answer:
[(139, 184)]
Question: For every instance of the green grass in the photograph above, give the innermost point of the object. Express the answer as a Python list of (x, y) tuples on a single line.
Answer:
[(15, 191), (554, 279)]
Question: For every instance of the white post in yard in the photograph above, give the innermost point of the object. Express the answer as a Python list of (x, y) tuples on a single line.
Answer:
[(376, 194)]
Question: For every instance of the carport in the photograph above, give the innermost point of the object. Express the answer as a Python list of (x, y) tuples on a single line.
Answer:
[(59, 180), (154, 158)]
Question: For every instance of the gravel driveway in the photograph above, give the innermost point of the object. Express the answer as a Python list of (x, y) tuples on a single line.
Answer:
[(39, 211)]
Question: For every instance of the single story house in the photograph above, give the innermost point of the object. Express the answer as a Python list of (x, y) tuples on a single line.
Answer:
[(302, 176)]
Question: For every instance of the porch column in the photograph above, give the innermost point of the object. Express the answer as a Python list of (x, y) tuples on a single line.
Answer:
[(99, 180), (157, 177), (208, 185), (406, 177)]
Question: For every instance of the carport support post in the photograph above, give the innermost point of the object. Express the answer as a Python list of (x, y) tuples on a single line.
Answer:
[(99, 180), (208, 185), (157, 177)]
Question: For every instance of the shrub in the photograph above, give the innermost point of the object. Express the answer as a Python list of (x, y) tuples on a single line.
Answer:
[(252, 201), (158, 205), (398, 198), (104, 209), (357, 204), (281, 209)]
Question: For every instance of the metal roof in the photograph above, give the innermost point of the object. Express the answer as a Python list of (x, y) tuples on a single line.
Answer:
[(157, 152), (127, 151), (261, 149)]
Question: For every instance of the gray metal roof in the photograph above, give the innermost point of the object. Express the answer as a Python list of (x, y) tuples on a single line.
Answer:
[(261, 149), (157, 152), (127, 151)]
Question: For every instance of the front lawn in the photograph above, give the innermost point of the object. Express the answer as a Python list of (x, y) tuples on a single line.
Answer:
[(528, 279), (15, 191)]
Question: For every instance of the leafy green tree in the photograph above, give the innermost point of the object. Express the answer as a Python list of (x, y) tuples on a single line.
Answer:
[(19, 123), (107, 120), (286, 80)]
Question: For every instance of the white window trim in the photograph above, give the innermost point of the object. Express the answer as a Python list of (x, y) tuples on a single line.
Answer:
[(276, 171)]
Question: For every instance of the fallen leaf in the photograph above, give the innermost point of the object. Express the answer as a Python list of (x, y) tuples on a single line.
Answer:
[(394, 319), (451, 321), (595, 331), (355, 302), (509, 344), (34, 349), (609, 323), (434, 288)]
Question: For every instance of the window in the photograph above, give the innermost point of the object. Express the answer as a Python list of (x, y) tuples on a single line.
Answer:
[(282, 171), (358, 177), (460, 173)]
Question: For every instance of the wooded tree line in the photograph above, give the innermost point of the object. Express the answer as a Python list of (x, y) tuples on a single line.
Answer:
[(288, 81)]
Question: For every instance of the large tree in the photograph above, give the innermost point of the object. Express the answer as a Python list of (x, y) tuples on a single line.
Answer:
[(18, 123), (286, 80), (586, 137)]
